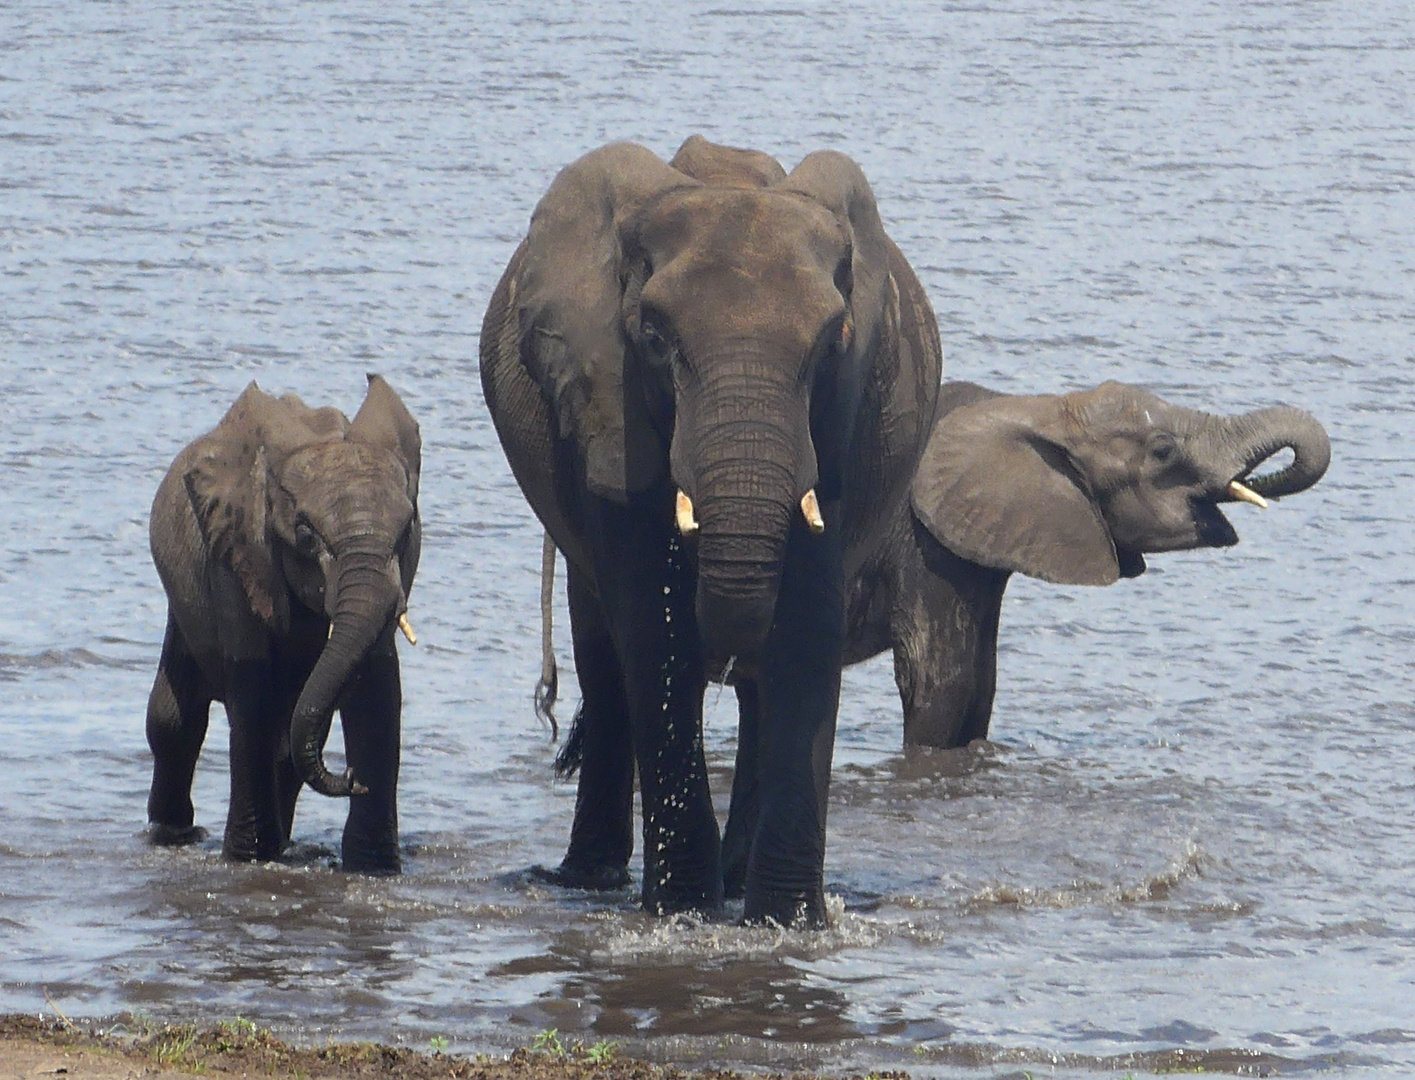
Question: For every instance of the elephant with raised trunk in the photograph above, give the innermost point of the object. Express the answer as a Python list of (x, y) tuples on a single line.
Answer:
[(713, 381), (1074, 489), (287, 539)]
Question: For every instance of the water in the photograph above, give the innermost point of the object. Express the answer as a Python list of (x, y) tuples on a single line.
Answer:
[(1193, 831)]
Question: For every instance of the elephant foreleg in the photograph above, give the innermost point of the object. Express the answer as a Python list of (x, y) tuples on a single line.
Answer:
[(647, 587), (178, 710), (800, 693), (745, 809), (371, 711), (253, 819), (945, 646), (602, 837)]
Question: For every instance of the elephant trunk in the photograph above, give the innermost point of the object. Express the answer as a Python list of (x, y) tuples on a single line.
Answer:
[(751, 463), (1260, 434), (364, 599)]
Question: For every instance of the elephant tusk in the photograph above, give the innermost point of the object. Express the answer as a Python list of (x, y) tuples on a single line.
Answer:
[(812, 511), (687, 524), (407, 628), (1246, 494)]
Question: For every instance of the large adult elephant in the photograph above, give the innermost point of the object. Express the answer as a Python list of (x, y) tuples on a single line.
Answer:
[(713, 381), (287, 539), (1074, 489)]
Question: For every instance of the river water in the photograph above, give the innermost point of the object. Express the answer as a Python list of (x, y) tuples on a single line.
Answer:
[(1194, 829)]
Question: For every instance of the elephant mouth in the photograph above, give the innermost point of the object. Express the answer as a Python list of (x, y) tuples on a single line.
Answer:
[(1213, 529), (1132, 563)]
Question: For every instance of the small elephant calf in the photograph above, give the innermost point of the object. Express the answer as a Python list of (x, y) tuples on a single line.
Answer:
[(287, 539), (1073, 489)]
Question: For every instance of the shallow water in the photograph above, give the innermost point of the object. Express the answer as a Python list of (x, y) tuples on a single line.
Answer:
[(1193, 830)]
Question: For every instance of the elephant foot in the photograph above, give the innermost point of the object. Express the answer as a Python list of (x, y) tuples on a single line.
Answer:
[(705, 899), (250, 849), (792, 910), (371, 868), (734, 881), (160, 835), (382, 860), (591, 878)]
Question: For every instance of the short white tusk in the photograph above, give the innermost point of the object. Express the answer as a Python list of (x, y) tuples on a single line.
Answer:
[(1246, 494), (687, 524), (407, 628), (812, 511)]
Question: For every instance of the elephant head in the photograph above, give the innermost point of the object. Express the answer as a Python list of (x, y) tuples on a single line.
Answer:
[(1076, 488), (712, 336), (309, 509)]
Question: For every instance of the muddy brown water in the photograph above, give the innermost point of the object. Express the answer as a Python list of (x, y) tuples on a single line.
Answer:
[(1193, 830)]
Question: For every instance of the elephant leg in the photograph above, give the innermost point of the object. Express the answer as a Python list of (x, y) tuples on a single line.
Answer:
[(800, 694), (945, 647), (253, 819), (742, 815), (288, 782), (371, 712), (602, 837), (178, 710), (648, 588)]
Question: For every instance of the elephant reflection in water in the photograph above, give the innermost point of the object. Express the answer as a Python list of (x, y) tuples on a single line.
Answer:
[(287, 539)]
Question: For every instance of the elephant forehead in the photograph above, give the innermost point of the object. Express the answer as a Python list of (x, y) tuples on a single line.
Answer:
[(340, 466), (1117, 409), (757, 232)]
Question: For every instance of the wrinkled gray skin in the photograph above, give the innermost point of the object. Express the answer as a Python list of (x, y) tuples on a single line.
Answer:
[(719, 327), (287, 539), (1074, 489)]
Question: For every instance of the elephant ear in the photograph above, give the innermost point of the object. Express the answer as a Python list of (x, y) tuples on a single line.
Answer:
[(834, 181), (228, 485), (726, 166), (997, 486), (837, 183), (569, 296), (383, 420)]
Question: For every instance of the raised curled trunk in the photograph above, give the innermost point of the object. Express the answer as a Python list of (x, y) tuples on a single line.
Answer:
[(1260, 434), (364, 601), (746, 464)]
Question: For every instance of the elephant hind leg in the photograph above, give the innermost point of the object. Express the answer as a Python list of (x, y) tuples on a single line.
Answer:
[(945, 648), (178, 710)]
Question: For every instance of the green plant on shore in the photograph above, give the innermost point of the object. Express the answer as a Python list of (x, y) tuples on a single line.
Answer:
[(140, 1023), (438, 1043), (175, 1046), (230, 1034), (602, 1052), (239, 1025), (548, 1043)]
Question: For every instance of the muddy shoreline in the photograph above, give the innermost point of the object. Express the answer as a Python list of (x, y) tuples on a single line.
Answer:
[(35, 1045), (138, 1047), (32, 1046)]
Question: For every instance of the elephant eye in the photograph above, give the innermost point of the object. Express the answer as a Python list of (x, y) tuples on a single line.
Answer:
[(655, 343), (305, 538), (1163, 449)]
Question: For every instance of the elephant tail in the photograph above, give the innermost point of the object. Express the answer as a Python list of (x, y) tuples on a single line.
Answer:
[(548, 686), (567, 762)]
